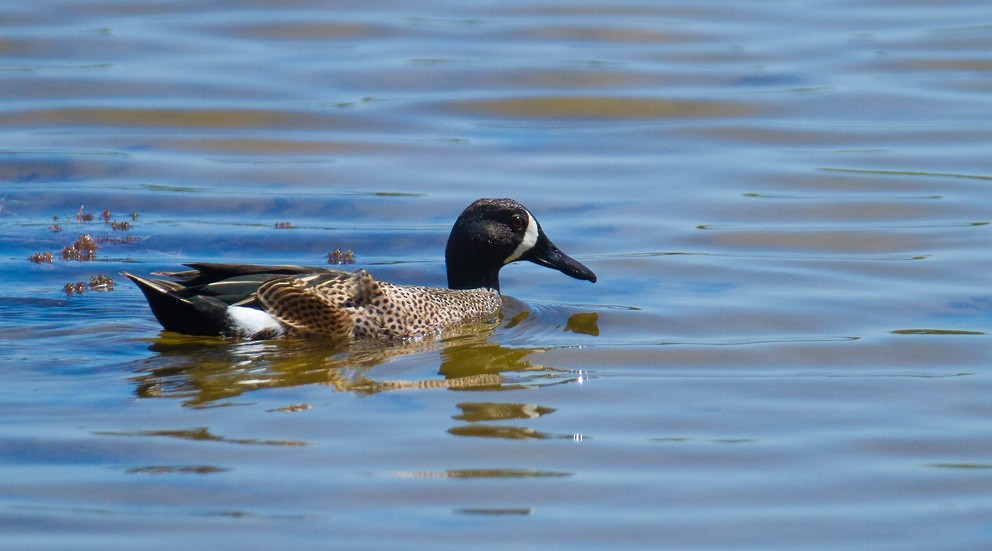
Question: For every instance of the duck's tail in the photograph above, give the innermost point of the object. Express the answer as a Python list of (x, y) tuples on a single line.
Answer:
[(192, 314)]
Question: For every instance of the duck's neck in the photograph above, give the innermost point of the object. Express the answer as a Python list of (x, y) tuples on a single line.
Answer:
[(468, 266), (464, 274)]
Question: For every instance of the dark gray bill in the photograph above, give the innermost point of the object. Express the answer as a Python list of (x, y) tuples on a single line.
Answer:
[(546, 254)]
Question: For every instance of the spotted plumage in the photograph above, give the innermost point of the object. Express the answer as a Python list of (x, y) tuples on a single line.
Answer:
[(257, 302), (340, 306)]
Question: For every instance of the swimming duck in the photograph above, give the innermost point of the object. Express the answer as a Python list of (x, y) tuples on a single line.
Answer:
[(259, 302)]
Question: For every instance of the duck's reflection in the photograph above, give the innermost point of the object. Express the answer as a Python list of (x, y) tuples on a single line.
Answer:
[(478, 416), (206, 371)]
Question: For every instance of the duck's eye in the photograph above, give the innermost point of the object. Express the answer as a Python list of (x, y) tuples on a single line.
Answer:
[(517, 222)]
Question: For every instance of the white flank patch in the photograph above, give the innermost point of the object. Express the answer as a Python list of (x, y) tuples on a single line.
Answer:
[(250, 321), (530, 239)]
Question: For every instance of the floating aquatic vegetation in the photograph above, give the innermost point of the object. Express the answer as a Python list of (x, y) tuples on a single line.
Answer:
[(97, 283), (102, 283), (83, 249), (337, 256), (126, 239), (83, 216), (74, 288), (115, 225)]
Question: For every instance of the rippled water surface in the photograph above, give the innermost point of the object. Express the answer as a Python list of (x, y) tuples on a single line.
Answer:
[(787, 205)]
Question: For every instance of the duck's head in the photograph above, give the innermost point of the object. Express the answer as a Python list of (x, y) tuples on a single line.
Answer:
[(490, 234)]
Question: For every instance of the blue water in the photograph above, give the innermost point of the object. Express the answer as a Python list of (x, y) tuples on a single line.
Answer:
[(786, 203)]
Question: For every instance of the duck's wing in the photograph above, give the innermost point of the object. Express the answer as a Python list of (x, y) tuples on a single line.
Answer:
[(204, 273), (320, 305)]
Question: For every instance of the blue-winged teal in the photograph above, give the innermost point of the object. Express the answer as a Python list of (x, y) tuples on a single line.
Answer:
[(258, 302)]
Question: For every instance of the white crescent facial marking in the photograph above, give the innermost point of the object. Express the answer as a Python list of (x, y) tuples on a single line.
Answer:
[(250, 321), (530, 239)]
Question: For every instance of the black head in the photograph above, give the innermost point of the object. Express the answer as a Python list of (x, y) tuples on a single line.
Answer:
[(490, 234)]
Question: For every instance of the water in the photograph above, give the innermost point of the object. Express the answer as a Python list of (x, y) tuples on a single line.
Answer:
[(786, 203)]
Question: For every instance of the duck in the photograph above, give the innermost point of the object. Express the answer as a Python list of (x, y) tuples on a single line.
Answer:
[(251, 301)]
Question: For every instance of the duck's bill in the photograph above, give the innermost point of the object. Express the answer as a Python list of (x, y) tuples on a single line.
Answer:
[(546, 254)]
